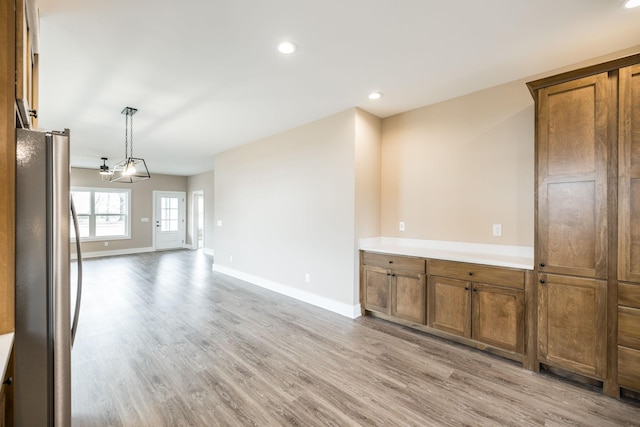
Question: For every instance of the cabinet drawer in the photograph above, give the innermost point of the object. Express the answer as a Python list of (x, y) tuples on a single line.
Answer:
[(629, 327), (629, 295), (395, 261), (629, 368), (502, 276)]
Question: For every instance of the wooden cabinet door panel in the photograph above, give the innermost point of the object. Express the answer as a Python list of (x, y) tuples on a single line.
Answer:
[(629, 368), (498, 317), (450, 305), (629, 175), (572, 177), (409, 296), (376, 289), (629, 327), (629, 294), (572, 324)]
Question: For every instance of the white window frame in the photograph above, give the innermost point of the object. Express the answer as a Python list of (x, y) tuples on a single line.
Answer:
[(92, 215)]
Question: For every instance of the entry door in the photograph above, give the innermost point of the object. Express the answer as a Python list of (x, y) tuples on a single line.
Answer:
[(169, 215)]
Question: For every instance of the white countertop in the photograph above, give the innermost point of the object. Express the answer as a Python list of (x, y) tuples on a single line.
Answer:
[(6, 344), (497, 255)]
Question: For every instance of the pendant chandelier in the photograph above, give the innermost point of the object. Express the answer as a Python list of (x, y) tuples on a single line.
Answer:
[(105, 172), (131, 169)]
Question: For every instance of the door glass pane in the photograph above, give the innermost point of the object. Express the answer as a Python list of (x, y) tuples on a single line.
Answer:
[(169, 214)]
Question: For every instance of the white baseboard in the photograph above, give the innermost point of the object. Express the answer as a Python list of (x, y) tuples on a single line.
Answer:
[(98, 254), (350, 311)]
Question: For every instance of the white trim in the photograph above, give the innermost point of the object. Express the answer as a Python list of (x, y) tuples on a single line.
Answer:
[(350, 311), (98, 254)]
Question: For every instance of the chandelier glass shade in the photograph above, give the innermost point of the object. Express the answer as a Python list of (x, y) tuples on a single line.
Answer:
[(131, 169)]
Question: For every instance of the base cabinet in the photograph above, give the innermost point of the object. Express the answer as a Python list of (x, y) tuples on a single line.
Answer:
[(629, 336), (484, 305), (572, 324), (395, 286), (485, 312)]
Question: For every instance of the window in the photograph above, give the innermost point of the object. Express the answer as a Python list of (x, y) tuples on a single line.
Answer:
[(103, 214)]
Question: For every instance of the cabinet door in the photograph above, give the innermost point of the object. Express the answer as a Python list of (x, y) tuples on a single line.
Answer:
[(572, 177), (376, 289), (498, 316), (629, 175), (409, 296), (572, 324), (450, 305)]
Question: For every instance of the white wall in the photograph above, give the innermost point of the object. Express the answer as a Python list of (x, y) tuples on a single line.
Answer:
[(287, 209)]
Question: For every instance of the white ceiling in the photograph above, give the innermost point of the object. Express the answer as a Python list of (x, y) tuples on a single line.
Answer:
[(206, 75)]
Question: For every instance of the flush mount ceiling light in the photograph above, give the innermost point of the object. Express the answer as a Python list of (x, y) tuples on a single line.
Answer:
[(375, 95), (287, 47), (131, 169), (629, 4), (105, 172)]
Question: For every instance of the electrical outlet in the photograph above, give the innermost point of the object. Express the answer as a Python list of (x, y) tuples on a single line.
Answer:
[(307, 277), (106, 243), (230, 258), (401, 226), (497, 230), (219, 223)]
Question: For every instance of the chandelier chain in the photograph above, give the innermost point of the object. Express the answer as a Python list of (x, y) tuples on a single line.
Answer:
[(126, 136), (131, 135)]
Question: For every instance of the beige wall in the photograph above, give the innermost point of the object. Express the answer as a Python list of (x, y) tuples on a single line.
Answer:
[(452, 169), (287, 208), (201, 182), (141, 206)]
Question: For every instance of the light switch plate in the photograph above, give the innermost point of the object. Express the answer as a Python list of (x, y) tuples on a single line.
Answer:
[(497, 230)]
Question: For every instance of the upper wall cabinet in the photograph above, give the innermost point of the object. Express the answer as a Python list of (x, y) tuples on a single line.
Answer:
[(629, 175), (572, 177)]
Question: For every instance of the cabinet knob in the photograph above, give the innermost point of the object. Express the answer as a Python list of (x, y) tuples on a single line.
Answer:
[(470, 273), (542, 281), (475, 290), (466, 288), (393, 275), (388, 274), (542, 265), (390, 262), (8, 381)]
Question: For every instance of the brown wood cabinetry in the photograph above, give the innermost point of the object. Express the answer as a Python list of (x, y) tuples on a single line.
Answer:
[(588, 218), (480, 302), (629, 336), (629, 228), (629, 176), (572, 177), (395, 286), (572, 323), (478, 305)]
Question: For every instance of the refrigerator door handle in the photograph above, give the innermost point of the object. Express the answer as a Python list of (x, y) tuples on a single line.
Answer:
[(76, 314)]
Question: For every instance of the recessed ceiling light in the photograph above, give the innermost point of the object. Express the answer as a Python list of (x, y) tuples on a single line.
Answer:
[(631, 4), (287, 47), (375, 95)]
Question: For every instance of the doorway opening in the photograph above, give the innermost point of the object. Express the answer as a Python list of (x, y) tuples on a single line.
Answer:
[(197, 219)]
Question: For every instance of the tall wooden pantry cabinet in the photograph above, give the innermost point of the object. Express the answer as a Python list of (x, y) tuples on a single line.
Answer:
[(587, 249), (587, 158)]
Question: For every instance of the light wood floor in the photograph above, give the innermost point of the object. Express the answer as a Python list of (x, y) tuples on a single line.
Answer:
[(164, 341)]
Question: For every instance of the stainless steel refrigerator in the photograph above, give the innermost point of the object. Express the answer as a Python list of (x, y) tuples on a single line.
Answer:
[(43, 329)]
